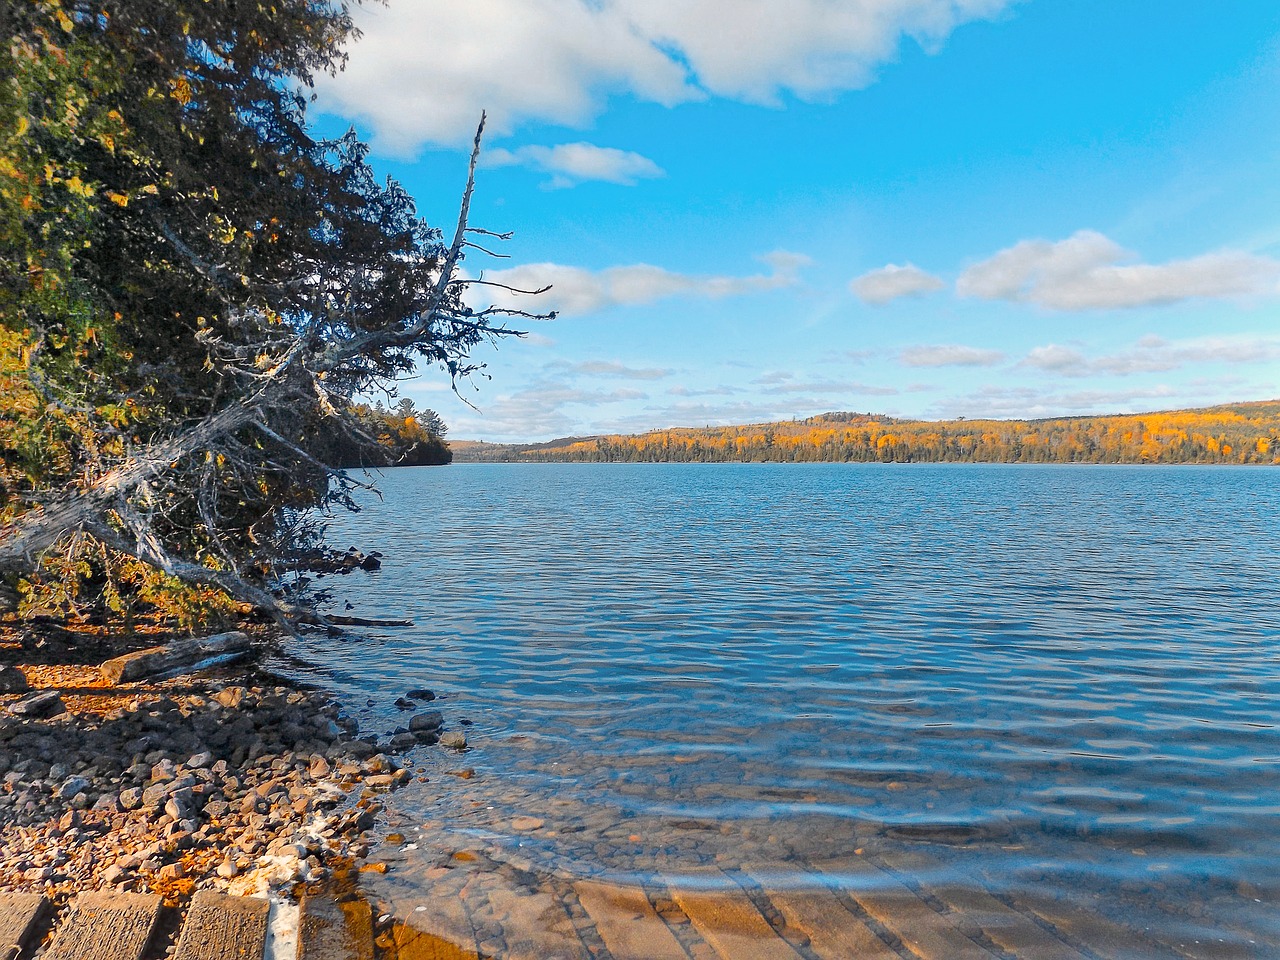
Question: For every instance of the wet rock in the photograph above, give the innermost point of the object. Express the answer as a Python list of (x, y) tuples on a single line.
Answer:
[(403, 741), (403, 703), (421, 694), (454, 739), (428, 722)]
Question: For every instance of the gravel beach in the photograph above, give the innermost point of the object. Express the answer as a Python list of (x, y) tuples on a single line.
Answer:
[(230, 782)]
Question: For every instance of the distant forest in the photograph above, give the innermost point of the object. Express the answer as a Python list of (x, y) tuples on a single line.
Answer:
[(402, 436), (1239, 433)]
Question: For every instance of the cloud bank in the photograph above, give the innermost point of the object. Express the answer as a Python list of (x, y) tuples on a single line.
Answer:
[(423, 71), (1154, 354), (1089, 271)]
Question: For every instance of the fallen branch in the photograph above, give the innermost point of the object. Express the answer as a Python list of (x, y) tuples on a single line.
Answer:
[(181, 655), (362, 622)]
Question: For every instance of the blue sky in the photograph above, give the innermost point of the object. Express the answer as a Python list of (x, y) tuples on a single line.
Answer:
[(754, 210)]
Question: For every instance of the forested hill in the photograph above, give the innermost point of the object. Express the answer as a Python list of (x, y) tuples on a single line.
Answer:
[(1232, 433)]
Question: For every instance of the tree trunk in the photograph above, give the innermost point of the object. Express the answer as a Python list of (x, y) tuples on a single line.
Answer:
[(23, 539)]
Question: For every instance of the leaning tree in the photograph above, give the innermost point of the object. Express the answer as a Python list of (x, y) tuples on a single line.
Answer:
[(193, 289)]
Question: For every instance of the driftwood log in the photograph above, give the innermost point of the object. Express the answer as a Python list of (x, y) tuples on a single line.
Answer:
[(181, 655)]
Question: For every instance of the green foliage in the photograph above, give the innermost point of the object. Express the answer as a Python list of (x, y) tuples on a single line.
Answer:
[(168, 231)]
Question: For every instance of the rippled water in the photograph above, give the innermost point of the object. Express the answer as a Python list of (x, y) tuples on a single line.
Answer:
[(1050, 683)]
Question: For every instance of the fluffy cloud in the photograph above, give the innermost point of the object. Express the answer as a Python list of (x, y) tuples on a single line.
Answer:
[(892, 281), (575, 290), (1088, 271), (1155, 355), (1057, 359), (572, 163), (949, 355), (423, 71)]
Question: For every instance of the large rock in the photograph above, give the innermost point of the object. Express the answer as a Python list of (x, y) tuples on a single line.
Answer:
[(13, 680), (46, 703)]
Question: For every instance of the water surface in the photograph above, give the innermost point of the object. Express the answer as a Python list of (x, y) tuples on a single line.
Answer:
[(1052, 684)]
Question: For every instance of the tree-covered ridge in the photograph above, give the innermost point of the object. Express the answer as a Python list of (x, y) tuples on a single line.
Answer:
[(1242, 433)]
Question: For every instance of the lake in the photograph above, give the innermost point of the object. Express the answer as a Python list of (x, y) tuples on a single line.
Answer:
[(1041, 688)]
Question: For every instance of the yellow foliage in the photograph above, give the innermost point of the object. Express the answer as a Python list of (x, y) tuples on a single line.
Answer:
[(1240, 433)]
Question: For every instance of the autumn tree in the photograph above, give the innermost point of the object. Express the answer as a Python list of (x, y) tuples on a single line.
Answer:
[(193, 289)]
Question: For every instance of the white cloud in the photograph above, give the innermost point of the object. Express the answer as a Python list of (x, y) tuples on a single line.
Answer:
[(949, 355), (892, 281), (1055, 358), (423, 71), (1154, 354), (576, 290), (1088, 271), (572, 163), (1033, 402)]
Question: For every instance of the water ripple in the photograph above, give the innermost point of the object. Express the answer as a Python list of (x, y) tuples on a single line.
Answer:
[(1059, 678)]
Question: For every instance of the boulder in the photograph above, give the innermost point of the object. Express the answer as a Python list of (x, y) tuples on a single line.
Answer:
[(13, 680)]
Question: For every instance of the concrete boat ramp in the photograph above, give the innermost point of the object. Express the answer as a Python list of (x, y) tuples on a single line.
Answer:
[(711, 915), (134, 926)]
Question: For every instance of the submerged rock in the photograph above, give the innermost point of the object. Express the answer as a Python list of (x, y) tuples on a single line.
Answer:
[(454, 739)]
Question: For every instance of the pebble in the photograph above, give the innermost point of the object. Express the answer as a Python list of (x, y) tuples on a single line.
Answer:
[(185, 787)]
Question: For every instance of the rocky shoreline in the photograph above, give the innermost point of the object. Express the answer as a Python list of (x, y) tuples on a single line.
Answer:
[(232, 783)]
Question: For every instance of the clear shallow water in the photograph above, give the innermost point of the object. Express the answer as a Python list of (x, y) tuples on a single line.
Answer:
[(1050, 683)]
